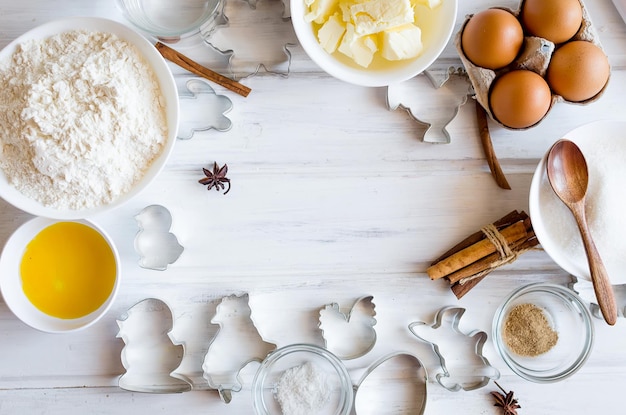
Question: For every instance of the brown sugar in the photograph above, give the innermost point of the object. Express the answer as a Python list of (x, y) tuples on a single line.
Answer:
[(527, 331)]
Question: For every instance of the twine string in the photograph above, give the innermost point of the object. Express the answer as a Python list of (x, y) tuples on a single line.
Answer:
[(507, 255)]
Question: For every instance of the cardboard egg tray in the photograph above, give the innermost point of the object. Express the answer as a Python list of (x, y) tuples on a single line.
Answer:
[(535, 55)]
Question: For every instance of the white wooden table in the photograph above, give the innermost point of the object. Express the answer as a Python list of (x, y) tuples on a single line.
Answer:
[(333, 197)]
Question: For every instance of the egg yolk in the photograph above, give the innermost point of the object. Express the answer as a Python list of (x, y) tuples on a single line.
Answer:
[(68, 270)]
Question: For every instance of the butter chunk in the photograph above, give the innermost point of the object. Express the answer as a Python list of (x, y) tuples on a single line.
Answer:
[(375, 16), (404, 42), (430, 3), (345, 5), (331, 32), (321, 10), (360, 48)]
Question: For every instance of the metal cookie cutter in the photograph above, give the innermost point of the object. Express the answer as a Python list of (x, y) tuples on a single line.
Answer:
[(586, 292), (240, 42), (433, 98), (236, 344), (150, 355), (193, 329), (201, 108), (156, 245), (400, 375), (350, 335), (464, 367), (286, 7)]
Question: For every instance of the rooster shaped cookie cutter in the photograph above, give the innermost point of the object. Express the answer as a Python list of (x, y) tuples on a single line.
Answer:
[(223, 363), (474, 375), (349, 335)]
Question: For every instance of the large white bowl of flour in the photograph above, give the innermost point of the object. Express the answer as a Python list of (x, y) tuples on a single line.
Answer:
[(604, 145), (89, 117)]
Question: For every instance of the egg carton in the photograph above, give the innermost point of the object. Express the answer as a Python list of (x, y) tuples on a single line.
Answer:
[(535, 56)]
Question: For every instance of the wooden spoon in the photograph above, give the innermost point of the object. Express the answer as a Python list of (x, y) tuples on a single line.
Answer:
[(568, 176)]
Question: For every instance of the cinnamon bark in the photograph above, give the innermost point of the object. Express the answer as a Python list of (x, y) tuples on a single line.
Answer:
[(471, 260), (473, 253), (184, 62)]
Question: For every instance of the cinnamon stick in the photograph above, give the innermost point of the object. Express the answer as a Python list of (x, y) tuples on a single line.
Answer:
[(194, 67), (490, 154), (500, 224), (484, 263), (460, 289), (464, 264), (474, 252)]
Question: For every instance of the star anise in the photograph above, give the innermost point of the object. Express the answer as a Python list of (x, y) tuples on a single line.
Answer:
[(216, 178), (506, 401)]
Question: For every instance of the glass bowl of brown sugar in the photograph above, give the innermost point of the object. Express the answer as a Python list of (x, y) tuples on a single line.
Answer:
[(543, 332)]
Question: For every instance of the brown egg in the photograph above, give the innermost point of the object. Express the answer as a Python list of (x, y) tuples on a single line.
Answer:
[(555, 20), (578, 71), (520, 98), (492, 38)]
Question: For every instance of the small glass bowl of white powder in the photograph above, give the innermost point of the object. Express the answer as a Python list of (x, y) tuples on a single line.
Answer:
[(302, 379), (171, 21)]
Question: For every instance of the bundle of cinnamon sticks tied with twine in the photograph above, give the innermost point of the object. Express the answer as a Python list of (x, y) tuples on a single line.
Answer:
[(472, 259)]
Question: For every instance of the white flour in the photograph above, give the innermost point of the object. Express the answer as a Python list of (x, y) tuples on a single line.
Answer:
[(81, 119)]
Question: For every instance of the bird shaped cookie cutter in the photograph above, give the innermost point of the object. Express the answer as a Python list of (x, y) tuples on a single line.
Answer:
[(349, 335), (224, 361), (156, 245), (150, 355)]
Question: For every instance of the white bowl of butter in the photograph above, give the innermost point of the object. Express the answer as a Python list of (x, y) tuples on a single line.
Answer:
[(373, 42)]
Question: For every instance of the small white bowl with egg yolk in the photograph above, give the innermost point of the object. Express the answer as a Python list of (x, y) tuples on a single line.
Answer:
[(59, 276)]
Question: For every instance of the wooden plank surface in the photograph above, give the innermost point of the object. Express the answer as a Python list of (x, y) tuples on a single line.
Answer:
[(333, 197)]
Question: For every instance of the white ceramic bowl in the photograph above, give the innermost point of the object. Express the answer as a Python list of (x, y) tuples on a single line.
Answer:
[(604, 146), (11, 281), (437, 30), (168, 89)]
